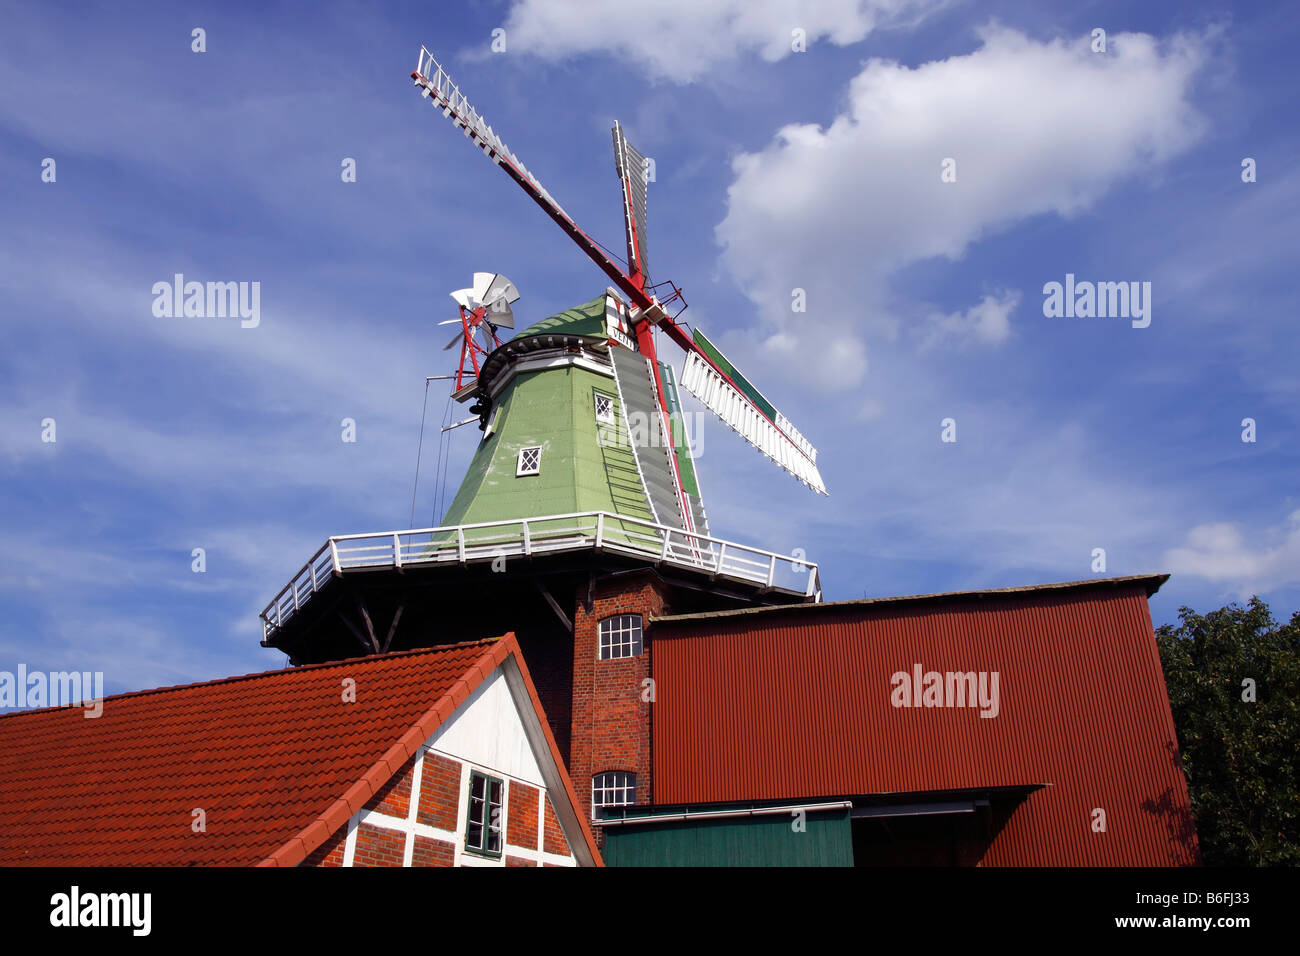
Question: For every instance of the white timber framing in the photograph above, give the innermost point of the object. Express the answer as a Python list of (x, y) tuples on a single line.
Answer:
[(537, 770)]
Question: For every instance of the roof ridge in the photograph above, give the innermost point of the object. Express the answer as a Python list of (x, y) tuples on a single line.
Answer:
[(239, 678), (1154, 579)]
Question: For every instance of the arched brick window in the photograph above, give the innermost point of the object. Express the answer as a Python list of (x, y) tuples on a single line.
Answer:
[(620, 636), (613, 788)]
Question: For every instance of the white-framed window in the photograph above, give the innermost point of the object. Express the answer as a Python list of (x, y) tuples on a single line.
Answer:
[(492, 421), (620, 636), (613, 788), (530, 461), (604, 409)]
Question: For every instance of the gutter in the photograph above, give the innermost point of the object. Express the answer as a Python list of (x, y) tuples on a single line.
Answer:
[(720, 814)]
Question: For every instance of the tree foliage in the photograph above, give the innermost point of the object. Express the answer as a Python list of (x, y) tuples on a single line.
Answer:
[(1239, 755)]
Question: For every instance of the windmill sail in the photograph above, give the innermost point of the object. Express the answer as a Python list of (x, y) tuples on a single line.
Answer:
[(729, 395), (636, 391), (436, 86), (690, 481), (633, 173)]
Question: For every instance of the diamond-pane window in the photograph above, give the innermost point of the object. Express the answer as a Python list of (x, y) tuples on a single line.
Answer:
[(604, 409), (620, 636), (530, 461)]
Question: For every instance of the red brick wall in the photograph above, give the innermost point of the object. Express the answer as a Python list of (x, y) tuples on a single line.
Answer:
[(439, 792), (378, 847), (553, 836), (427, 852), (521, 825), (394, 798), (438, 804), (329, 853), (548, 652), (611, 723)]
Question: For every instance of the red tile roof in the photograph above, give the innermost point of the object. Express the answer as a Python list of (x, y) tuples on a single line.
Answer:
[(277, 761)]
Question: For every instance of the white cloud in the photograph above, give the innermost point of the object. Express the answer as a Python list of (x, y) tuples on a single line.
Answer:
[(682, 39), (1220, 552), (987, 322), (1034, 127)]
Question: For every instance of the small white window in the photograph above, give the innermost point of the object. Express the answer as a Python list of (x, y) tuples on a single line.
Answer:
[(530, 461), (614, 788), (492, 421), (604, 409), (620, 636)]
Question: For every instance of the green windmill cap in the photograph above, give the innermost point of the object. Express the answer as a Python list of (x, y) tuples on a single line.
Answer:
[(569, 327), (586, 319)]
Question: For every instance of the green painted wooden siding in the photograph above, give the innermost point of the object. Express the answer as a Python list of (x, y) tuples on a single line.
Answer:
[(617, 461), (585, 466), (767, 840)]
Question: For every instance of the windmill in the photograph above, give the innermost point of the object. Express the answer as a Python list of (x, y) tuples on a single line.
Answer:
[(582, 493), (645, 384)]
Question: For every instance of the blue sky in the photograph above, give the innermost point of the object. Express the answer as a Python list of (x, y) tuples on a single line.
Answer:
[(775, 170)]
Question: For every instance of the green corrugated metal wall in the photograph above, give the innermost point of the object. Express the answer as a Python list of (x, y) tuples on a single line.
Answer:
[(768, 840)]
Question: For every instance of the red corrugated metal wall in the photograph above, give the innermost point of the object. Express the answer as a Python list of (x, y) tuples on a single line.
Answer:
[(796, 704)]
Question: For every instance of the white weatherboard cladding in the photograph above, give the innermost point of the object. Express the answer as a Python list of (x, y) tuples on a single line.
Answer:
[(794, 453), (616, 323), (486, 730)]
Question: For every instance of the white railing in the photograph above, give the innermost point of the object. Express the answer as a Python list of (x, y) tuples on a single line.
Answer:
[(493, 540)]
